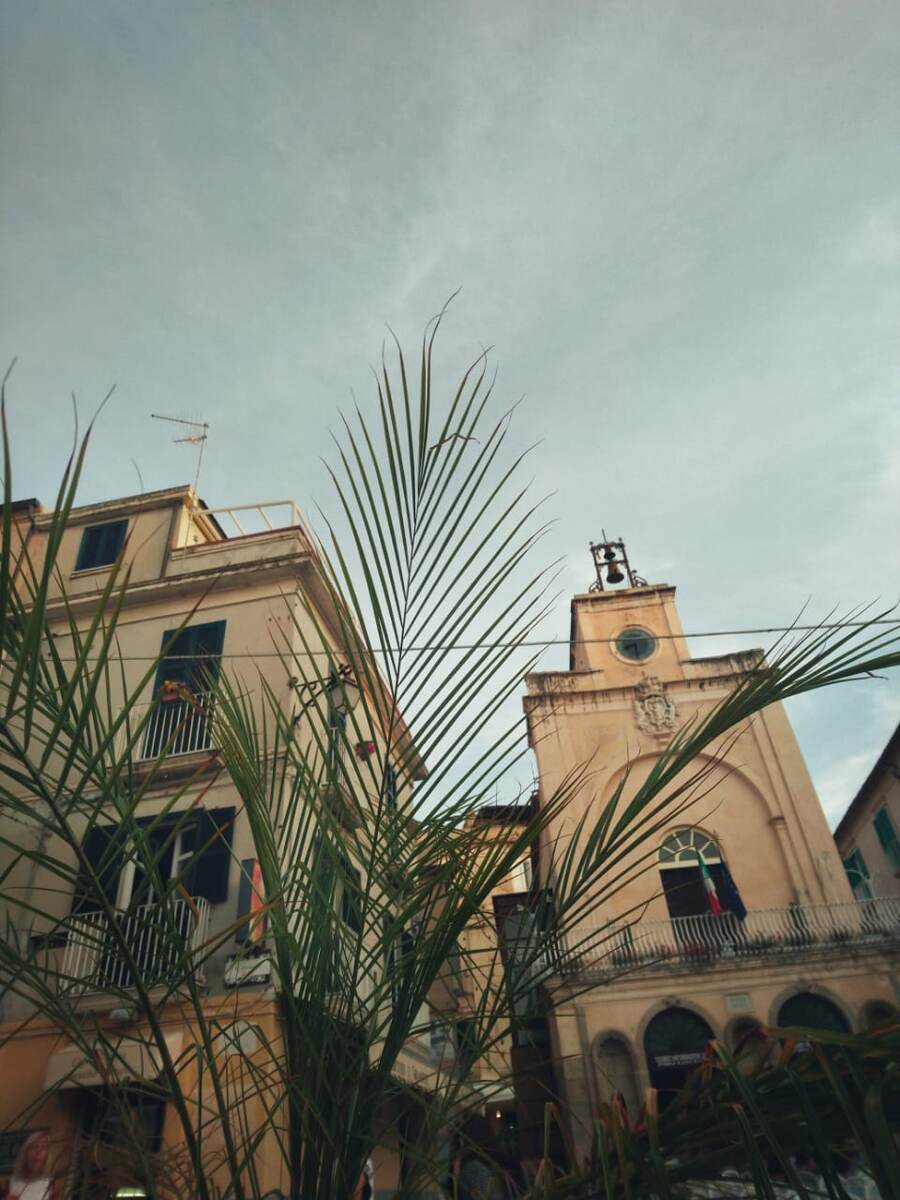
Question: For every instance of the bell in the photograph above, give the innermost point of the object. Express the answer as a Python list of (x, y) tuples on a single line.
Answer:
[(614, 573), (608, 553)]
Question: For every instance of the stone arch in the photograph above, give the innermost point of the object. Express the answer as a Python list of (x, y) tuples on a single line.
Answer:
[(675, 1040), (815, 1010), (614, 1067), (738, 812), (878, 1013)]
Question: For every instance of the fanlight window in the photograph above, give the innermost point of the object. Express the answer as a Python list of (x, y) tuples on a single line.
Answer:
[(683, 849)]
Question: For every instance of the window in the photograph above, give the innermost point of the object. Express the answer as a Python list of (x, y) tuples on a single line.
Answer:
[(198, 855), (181, 722), (695, 878), (155, 876), (100, 545), (887, 836), (683, 849), (858, 875)]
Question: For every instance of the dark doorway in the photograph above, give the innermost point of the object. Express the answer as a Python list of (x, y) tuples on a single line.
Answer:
[(674, 1043), (813, 1012)]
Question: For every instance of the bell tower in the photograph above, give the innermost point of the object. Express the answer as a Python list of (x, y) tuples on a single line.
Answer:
[(623, 626)]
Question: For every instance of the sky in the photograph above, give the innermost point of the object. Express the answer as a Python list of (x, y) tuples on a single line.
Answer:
[(677, 225)]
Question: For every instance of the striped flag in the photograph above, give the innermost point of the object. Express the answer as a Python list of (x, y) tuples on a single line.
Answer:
[(715, 906)]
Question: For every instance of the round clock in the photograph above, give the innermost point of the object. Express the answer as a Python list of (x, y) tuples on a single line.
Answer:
[(635, 644)]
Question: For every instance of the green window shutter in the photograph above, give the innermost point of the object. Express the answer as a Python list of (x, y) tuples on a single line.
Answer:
[(191, 654), (351, 889), (213, 861), (102, 847), (884, 828), (390, 785), (100, 545)]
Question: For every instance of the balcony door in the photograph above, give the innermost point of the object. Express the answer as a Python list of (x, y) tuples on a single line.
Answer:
[(682, 876), (180, 722), (135, 869)]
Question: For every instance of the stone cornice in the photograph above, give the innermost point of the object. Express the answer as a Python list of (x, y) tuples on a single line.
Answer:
[(149, 591)]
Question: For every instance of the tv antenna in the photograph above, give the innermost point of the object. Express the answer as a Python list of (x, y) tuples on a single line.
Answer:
[(196, 436)]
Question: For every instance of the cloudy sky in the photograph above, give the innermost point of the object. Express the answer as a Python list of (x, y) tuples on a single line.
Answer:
[(678, 224)]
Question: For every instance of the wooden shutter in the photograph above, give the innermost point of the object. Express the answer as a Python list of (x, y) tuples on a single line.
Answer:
[(213, 861), (884, 828), (351, 888), (103, 849), (191, 654)]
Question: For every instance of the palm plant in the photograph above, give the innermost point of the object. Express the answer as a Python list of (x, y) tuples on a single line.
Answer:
[(361, 794)]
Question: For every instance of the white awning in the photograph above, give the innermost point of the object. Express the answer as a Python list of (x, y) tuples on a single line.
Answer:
[(114, 1062)]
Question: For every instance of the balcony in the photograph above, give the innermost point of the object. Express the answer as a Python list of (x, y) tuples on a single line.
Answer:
[(173, 727), (710, 941), (91, 958)]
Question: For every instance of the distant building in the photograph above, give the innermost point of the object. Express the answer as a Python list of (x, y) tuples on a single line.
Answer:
[(868, 835), (745, 917)]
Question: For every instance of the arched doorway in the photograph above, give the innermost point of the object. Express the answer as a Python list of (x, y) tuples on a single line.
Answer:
[(674, 1042), (614, 1071), (814, 1012), (879, 1013)]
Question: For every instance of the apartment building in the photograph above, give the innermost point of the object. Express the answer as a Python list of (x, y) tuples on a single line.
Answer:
[(244, 589), (868, 834), (745, 916)]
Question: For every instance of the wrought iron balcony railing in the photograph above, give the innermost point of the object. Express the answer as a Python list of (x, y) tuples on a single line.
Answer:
[(173, 726), (709, 940), (160, 942)]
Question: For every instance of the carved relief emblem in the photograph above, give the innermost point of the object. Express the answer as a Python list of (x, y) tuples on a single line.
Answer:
[(654, 711)]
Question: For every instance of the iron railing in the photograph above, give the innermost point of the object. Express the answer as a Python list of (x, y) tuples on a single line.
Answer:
[(706, 939), (173, 726), (160, 940)]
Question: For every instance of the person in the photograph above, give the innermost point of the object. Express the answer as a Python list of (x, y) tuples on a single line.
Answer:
[(31, 1177)]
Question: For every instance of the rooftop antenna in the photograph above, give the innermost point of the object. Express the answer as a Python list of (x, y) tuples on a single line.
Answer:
[(196, 436)]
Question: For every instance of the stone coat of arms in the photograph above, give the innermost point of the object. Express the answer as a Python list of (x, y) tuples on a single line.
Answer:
[(653, 710)]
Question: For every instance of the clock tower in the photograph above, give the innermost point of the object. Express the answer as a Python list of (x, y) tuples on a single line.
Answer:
[(743, 917)]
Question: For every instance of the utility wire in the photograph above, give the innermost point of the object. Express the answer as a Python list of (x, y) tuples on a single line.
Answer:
[(532, 644)]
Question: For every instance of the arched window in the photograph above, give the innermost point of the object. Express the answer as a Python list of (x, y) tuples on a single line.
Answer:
[(685, 847), (814, 1012), (615, 1072), (878, 1013), (694, 876), (675, 1042)]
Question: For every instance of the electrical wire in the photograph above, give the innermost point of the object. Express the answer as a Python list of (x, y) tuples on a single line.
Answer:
[(542, 643)]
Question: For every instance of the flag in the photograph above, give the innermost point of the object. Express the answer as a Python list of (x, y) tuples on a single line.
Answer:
[(731, 895), (714, 906)]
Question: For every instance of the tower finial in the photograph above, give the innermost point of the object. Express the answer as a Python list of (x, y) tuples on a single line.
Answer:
[(609, 559)]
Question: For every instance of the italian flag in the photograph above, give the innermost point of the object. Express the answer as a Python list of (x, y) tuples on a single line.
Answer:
[(715, 906)]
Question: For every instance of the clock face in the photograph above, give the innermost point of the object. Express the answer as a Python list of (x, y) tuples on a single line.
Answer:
[(635, 644)]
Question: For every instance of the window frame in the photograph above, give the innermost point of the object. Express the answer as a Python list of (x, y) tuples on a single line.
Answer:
[(107, 531)]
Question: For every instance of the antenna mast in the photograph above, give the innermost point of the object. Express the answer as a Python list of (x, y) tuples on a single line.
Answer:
[(195, 437)]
